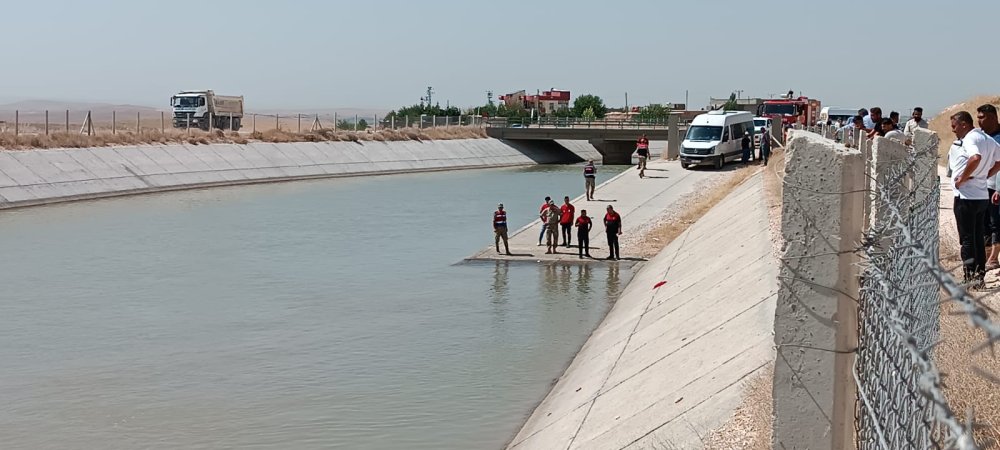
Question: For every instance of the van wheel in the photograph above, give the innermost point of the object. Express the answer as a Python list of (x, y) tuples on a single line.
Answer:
[(685, 165), (719, 162)]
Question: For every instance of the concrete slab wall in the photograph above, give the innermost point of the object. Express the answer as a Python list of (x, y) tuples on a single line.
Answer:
[(667, 364), (33, 177)]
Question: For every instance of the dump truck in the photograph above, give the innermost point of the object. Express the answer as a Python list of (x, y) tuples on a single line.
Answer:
[(205, 110)]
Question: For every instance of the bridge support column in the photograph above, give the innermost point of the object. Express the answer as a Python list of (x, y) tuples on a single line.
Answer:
[(617, 153), (673, 138)]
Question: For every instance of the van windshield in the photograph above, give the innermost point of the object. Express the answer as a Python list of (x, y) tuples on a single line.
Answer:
[(704, 133)]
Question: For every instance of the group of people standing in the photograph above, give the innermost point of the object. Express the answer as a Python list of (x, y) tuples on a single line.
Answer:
[(559, 221), (973, 163)]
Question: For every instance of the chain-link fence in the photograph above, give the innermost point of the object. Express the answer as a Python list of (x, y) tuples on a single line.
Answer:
[(900, 400)]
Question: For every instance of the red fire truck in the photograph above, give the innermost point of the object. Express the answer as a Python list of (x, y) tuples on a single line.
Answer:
[(802, 110)]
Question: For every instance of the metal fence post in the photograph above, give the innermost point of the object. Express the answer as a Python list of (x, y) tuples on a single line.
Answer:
[(392, 122), (231, 128), (355, 122), (17, 122), (162, 124), (46, 122), (114, 121), (277, 123), (253, 123), (137, 120), (300, 122), (67, 121), (434, 121)]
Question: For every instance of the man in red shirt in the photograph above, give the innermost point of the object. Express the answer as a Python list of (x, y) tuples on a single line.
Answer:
[(583, 225), (613, 228), (566, 221)]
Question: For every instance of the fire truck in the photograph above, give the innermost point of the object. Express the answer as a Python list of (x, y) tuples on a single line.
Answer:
[(801, 110)]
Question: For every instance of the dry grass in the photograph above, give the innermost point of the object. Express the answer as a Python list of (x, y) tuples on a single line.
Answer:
[(963, 387), (749, 428), (941, 123), (103, 139)]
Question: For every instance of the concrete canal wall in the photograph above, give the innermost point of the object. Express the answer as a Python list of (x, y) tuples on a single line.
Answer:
[(668, 363), (35, 177)]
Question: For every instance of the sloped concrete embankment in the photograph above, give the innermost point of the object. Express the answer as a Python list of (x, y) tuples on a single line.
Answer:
[(35, 177), (666, 365)]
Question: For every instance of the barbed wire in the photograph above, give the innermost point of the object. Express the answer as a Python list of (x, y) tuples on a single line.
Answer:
[(901, 399)]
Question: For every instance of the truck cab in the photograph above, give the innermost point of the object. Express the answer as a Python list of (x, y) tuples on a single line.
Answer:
[(205, 110)]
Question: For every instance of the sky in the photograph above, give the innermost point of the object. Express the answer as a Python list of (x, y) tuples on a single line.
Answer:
[(383, 54)]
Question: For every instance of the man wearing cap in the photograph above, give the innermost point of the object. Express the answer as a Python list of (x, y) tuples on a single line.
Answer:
[(500, 228)]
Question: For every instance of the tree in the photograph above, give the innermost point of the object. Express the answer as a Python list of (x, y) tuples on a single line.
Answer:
[(653, 112), (362, 124), (731, 105), (588, 114), (592, 102), (563, 112)]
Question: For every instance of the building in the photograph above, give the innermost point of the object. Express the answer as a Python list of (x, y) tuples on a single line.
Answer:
[(546, 102)]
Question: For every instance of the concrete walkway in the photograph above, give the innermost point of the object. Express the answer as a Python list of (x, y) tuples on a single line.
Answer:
[(667, 364), (638, 201)]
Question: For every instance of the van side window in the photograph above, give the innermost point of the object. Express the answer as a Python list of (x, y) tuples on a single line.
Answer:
[(725, 134), (737, 130)]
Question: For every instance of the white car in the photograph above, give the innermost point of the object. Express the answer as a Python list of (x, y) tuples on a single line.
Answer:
[(758, 123)]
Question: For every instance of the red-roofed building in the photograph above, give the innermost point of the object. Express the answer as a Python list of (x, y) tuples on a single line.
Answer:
[(547, 102)]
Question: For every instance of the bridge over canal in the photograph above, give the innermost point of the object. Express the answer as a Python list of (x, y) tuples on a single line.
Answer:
[(615, 140)]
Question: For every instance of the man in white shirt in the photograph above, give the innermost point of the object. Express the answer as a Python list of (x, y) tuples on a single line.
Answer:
[(971, 159), (916, 121), (891, 132)]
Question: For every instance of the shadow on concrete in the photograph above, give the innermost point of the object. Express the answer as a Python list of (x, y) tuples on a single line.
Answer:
[(544, 151)]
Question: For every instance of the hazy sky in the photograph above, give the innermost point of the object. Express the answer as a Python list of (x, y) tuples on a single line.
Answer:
[(384, 53)]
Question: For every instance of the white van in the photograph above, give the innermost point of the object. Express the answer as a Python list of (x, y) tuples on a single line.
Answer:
[(714, 138), (836, 114)]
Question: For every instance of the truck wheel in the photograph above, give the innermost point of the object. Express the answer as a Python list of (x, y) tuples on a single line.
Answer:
[(719, 162), (236, 124)]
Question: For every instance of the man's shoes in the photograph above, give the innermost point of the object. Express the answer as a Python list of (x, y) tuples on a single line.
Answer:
[(610, 258), (548, 252), (588, 255), (510, 254), (581, 256)]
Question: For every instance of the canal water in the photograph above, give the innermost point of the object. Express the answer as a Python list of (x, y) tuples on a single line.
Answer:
[(319, 314)]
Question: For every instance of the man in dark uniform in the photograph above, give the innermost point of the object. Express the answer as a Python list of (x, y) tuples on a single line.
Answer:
[(613, 227), (583, 226)]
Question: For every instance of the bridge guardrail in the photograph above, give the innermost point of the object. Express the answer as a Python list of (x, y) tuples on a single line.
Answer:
[(655, 124)]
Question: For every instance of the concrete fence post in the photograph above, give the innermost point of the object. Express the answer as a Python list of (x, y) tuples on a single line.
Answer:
[(887, 158), (815, 327), (434, 121), (673, 137)]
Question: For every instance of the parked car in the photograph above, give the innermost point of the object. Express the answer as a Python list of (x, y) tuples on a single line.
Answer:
[(714, 138)]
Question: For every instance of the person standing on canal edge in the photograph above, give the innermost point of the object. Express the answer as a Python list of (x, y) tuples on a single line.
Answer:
[(613, 226), (500, 228), (642, 149), (745, 146), (568, 213), (541, 215), (589, 178), (583, 225), (765, 145), (551, 217)]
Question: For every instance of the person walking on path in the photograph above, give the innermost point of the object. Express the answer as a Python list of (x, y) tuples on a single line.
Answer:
[(551, 217), (589, 178), (583, 227), (765, 145), (613, 227), (642, 150), (745, 146), (541, 215), (500, 228), (567, 214), (971, 159)]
